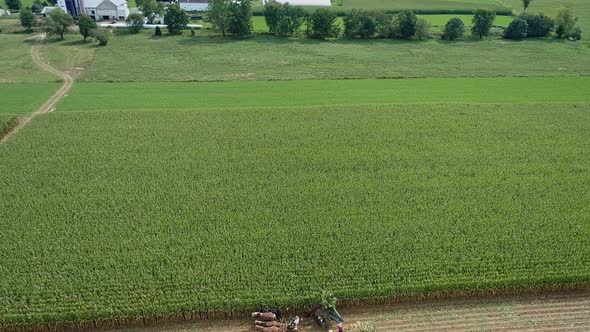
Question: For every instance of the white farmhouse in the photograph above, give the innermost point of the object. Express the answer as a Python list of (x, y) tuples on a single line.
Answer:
[(322, 3), (106, 9), (194, 5)]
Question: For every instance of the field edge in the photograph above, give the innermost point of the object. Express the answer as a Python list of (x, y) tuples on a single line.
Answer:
[(212, 316)]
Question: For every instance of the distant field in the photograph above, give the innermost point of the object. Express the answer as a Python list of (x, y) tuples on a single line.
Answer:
[(450, 5), (24, 98), (116, 96), (137, 58), (119, 214)]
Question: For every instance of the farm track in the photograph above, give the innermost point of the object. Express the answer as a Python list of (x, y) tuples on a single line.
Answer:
[(565, 311), (54, 99)]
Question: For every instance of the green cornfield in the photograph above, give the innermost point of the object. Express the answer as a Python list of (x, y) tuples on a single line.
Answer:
[(140, 214)]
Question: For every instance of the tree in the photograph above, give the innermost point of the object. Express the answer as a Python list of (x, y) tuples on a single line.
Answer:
[(322, 24), (273, 10), (158, 32), (58, 22), (240, 18), (176, 19), (27, 19), (483, 20), (37, 6), (151, 9), (405, 24), (86, 25), (566, 24), (359, 24), (538, 25), (218, 15), (384, 24), (526, 4), (290, 21), (454, 29), (102, 36), (517, 29), (422, 28), (134, 22), (13, 4)]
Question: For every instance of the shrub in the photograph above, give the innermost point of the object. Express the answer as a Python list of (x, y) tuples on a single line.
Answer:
[(135, 22), (13, 4), (6, 127), (272, 13), (359, 24), (27, 18), (566, 25), (454, 29), (483, 20), (405, 24), (176, 19), (321, 24), (158, 32), (240, 18), (517, 29), (422, 28), (384, 24), (538, 25), (102, 36), (291, 20), (86, 25)]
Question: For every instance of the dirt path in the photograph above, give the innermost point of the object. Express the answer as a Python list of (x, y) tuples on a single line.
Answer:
[(550, 312), (50, 103)]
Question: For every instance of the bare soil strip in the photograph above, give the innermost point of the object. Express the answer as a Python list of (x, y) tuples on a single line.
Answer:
[(563, 311), (50, 103)]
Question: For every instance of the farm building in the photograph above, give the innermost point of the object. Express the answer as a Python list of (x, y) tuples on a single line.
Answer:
[(106, 9), (194, 5), (323, 3), (71, 7), (96, 9)]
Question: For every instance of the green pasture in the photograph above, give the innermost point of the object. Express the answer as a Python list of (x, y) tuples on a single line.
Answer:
[(22, 98), (425, 5), (16, 65), (141, 58), (125, 214), (197, 95)]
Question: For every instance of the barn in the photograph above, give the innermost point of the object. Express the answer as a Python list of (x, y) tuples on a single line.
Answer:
[(194, 5)]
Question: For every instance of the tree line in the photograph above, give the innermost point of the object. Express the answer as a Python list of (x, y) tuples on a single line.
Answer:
[(234, 18)]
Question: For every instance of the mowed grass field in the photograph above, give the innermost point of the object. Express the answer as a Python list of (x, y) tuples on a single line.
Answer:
[(141, 58), (174, 95), (131, 213), (24, 98)]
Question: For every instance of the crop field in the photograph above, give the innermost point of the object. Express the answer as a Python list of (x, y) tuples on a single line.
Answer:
[(187, 175), (119, 214), (120, 96), (21, 98)]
